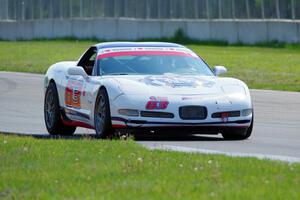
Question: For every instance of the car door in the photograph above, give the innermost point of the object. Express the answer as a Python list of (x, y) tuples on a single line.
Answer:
[(77, 99)]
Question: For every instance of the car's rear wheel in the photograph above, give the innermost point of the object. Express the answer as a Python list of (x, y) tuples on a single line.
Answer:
[(102, 116), (238, 133), (52, 115)]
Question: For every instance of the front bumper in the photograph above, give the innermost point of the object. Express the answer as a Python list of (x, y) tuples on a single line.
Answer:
[(120, 122), (213, 104)]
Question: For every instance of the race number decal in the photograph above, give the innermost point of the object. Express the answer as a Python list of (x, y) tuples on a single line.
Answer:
[(73, 93)]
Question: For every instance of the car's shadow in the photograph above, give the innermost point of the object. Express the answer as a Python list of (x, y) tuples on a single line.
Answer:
[(136, 138), (178, 138), (139, 138)]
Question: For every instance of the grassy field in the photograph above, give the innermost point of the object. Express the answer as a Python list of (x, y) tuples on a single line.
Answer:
[(86, 168), (259, 67)]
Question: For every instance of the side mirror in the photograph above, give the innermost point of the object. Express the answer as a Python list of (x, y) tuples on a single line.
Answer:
[(79, 71), (219, 70)]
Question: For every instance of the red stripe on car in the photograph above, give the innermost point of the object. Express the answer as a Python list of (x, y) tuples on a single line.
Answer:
[(137, 53), (119, 126)]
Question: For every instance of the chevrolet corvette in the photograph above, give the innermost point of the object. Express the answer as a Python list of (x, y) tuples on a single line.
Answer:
[(145, 87)]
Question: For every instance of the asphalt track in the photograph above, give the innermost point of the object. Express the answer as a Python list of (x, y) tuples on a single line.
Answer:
[(276, 133)]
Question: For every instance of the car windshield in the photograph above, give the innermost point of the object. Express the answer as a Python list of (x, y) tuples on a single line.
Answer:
[(151, 63)]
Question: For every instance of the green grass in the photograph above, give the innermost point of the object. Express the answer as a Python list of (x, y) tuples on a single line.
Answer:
[(260, 67), (95, 169), (37, 56)]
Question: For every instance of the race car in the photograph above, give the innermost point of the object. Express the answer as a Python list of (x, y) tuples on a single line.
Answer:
[(145, 87)]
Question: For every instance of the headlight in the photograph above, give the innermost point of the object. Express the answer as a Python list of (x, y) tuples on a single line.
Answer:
[(128, 112), (233, 89), (246, 112)]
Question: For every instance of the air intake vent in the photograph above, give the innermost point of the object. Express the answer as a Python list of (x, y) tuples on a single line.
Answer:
[(193, 112), (157, 114)]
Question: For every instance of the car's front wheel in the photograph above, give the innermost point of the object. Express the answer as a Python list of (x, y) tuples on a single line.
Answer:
[(238, 133), (102, 116), (52, 115)]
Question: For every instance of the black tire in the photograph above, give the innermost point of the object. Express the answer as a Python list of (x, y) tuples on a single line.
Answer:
[(52, 113), (238, 133), (102, 116)]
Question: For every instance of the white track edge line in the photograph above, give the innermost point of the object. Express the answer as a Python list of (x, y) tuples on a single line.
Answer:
[(288, 159)]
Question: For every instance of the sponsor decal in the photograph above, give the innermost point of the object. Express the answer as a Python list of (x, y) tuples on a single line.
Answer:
[(171, 81), (73, 93), (157, 103), (118, 49), (176, 81), (127, 51), (196, 97), (191, 98)]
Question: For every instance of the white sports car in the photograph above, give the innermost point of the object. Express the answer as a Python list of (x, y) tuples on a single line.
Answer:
[(145, 87)]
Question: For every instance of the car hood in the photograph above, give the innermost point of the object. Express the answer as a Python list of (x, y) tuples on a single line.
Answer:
[(177, 85)]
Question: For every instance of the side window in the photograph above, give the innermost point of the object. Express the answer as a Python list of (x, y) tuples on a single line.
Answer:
[(87, 61), (93, 57)]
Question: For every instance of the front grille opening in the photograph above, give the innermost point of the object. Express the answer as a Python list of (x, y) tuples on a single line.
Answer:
[(157, 114), (236, 113), (193, 112)]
